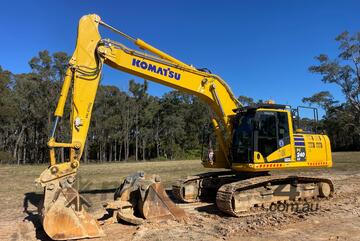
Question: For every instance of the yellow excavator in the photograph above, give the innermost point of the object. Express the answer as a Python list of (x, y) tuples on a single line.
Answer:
[(251, 141)]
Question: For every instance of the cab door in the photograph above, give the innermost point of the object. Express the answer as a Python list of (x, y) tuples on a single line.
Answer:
[(271, 137)]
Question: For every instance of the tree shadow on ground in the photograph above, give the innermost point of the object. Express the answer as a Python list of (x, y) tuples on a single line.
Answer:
[(171, 196), (209, 198), (211, 208), (34, 199)]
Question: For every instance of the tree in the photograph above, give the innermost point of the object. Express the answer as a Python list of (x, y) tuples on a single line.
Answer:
[(124, 125), (322, 99), (8, 113), (5, 97), (27, 101), (245, 100), (173, 122), (343, 70), (342, 121), (138, 91)]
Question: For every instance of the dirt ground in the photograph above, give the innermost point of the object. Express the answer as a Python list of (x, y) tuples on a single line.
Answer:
[(334, 219)]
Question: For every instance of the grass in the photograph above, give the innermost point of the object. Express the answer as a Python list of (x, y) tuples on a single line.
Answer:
[(346, 161), (16, 181)]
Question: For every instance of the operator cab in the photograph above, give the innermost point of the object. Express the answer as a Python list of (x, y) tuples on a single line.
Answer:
[(259, 131)]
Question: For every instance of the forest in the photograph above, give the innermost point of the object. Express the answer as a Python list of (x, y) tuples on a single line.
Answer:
[(133, 125)]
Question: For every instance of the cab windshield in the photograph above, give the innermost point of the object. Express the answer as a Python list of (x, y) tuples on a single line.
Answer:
[(243, 138)]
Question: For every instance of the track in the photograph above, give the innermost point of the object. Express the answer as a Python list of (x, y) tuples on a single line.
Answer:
[(202, 186), (248, 194), (244, 197)]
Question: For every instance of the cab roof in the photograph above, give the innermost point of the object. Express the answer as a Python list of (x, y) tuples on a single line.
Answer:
[(262, 106)]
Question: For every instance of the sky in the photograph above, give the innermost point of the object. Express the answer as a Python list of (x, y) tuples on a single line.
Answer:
[(263, 49)]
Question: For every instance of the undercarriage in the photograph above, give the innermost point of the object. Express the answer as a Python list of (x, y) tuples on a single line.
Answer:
[(249, 193)]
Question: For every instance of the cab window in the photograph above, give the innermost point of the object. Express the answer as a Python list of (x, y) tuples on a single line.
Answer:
[(273, 131), (283, 128), (267, 136)]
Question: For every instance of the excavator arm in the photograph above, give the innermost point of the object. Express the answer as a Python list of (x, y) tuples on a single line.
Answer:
[(84, 73), (82, 78)]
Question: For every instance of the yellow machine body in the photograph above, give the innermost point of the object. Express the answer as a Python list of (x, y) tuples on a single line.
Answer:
[(84, 73), (303, 150), (311, 150), (295, 150), (299, 151)]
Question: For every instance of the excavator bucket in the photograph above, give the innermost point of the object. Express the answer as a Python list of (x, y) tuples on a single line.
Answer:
[(158, 205), (138, 198), (63, 213), (141, 198)]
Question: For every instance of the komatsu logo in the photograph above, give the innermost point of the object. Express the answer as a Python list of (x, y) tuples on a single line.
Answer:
[(167, 72)]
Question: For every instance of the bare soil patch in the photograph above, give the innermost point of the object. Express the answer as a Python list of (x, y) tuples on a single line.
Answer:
[(334, 219)]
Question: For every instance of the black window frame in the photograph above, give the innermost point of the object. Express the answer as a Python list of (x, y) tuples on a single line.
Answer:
[(286, 139)]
